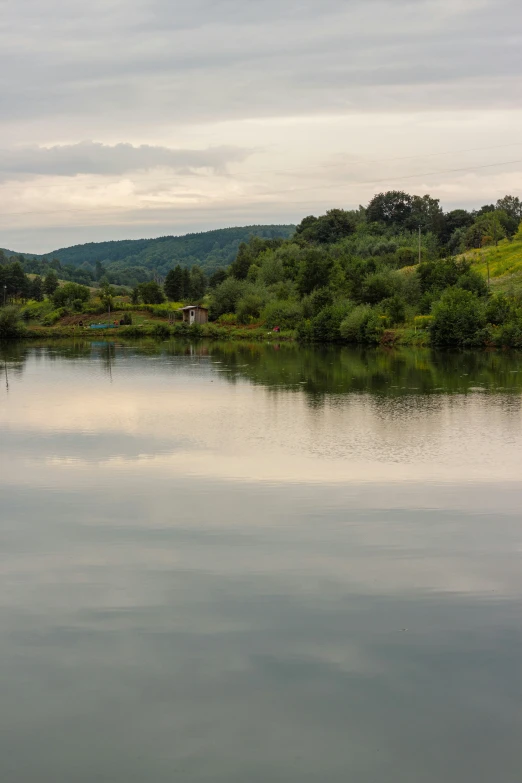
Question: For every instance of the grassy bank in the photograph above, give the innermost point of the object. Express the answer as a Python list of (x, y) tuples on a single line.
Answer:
[(158, 329), (505, 266)]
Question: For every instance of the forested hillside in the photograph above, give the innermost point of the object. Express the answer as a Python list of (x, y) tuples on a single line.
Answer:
[(129, 262)]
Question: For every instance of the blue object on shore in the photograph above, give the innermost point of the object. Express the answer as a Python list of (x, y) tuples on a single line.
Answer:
[(102, 326)]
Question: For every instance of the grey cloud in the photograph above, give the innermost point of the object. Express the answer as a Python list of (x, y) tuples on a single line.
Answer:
[(102, 159), (214, 59)]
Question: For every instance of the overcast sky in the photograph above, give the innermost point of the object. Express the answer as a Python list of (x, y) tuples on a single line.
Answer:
[(131, 118)]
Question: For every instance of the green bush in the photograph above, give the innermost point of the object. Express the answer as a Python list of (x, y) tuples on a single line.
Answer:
[(473, 281), (498, 309), (422, 321), (395, 309), (317, 301), (161, 330), (165, 310), (34, 311), (426, 302), (271, 270), (151, 292), (135, 330), (377, 287), (225, 297), (10, 323), (282, 313), (326, 325), (362, 325), (509, 335), (53, 317), (437, 275), (212, 331), (69, 293), (304, 331), (249, 308), (228, 319), (94, 307), (457, 317), (181, 329)]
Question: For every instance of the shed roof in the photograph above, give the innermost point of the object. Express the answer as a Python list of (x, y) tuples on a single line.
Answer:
[(194, 307)]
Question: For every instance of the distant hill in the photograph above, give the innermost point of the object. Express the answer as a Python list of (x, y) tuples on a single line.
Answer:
[(9, 253), (209, 249)]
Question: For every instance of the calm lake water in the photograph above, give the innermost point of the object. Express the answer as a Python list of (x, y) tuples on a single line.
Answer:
[(242, 564)]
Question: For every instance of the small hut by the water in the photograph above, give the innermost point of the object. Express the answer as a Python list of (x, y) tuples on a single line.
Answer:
[(195, 314)]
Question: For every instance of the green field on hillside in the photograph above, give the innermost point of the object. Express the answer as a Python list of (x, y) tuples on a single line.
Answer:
[(505, 265)]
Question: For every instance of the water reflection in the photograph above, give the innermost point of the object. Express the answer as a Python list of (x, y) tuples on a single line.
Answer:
[(234, 563), (317, 372)]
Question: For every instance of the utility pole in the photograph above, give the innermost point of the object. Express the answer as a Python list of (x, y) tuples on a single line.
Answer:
[(5, 293)]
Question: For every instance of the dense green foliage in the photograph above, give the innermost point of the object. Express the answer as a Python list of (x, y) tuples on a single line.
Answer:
[(364, 276), (10, 323), (360, 276), (70, 293), (130, 262)]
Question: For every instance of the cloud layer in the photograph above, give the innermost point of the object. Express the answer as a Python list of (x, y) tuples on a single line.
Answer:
[(89, 157), (197, 86)]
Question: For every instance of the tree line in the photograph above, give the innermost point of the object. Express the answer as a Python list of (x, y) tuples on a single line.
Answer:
[(351, 275), (345, 276), (131, 262)]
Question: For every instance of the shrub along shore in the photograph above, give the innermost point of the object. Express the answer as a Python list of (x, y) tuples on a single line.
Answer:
[(400, 271)]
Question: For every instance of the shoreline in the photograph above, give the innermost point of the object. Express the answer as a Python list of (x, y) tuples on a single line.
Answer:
[(210, 331)]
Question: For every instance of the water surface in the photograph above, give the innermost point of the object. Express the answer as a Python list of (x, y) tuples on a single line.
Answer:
[(259, 563)]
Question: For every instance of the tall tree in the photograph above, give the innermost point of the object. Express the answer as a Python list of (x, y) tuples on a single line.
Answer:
[(217, 277), (426, 214), (314, 270), (99, 270), (151, 292), (36, 290), (198, 284), (50, 282), (512, 206), (174, 284), (107, 295), (392, 208), (17, 282), (186, 284), (329, 228)]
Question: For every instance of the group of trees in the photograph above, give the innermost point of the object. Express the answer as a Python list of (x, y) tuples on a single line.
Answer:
[(180, 285), (16, 285), (183, 284), (43, 266), (132, 262), (345, 275), (348, 275)]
